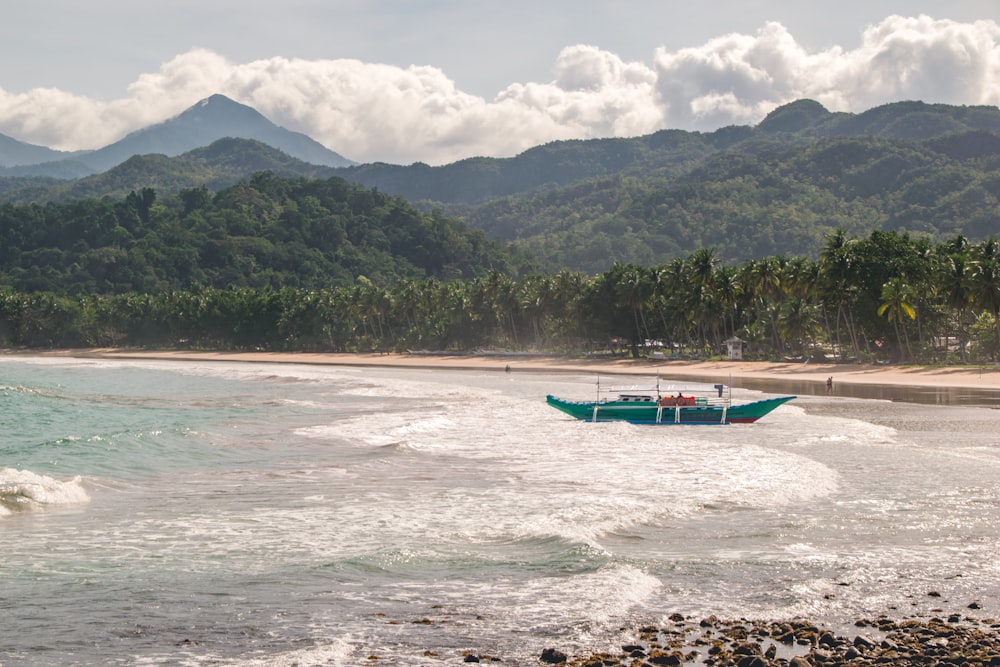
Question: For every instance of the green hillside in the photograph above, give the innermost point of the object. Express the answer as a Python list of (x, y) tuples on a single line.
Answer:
[(773, 202), (265, 232)]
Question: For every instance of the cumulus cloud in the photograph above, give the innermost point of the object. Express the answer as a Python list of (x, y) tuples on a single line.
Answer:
[(740, 78), (374, 112)]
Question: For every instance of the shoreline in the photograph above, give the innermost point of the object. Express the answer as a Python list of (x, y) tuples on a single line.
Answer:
[(970, 385)]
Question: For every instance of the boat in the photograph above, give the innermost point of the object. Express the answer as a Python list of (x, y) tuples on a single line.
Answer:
[(697, 406)]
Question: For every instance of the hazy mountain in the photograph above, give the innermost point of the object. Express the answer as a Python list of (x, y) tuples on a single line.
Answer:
[(15, 153), (219, 165), (665, 153), (212, 118), (209, 120)]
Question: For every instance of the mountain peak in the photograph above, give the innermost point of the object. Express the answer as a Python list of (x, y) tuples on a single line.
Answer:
[(206, 121)]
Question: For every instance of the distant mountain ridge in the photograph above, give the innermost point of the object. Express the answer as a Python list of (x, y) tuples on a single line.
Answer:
[(213, 118), (777, 188), (14, 153), (667, 152)]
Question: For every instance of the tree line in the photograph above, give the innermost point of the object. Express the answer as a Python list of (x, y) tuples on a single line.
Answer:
[(887, 297)]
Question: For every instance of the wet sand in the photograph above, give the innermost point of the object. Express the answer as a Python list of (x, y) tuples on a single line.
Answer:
[(952, 385)]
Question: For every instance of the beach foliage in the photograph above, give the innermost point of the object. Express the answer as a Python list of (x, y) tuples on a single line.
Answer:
[(888, 297)]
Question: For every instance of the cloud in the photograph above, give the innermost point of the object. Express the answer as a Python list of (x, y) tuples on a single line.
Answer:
[(740, 78), (376, 112)]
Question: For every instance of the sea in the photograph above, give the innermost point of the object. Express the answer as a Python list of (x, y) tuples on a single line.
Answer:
[(232, 513)]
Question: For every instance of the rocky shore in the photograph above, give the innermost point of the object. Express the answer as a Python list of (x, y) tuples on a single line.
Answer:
[(947, 640)]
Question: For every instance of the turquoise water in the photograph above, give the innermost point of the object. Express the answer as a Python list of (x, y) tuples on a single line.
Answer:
[(263, 514)]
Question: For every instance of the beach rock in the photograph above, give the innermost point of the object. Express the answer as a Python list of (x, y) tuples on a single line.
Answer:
[(634, 650), (553, 657), (931, 642), (670, 659)]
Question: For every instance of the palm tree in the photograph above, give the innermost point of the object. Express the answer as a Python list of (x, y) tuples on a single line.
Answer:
[(986, 283), (797, 324), (955, 286), (836, 280), (633, 288), (896, 298)]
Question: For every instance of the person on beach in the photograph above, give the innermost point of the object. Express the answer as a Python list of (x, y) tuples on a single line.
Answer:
[(829, 385)]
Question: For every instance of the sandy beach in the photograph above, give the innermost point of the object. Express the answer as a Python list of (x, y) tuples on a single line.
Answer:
[(804, 378)]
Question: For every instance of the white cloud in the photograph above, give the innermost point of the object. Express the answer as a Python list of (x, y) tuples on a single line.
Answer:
[(370, 112), (739, 78)]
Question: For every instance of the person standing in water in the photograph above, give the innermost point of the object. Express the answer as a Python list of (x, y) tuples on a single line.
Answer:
[(829, 385)]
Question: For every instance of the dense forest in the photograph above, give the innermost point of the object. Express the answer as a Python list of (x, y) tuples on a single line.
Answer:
[(267, 232), (777, 201)]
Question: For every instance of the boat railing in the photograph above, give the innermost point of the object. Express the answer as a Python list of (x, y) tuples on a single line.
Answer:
[(667, 396)]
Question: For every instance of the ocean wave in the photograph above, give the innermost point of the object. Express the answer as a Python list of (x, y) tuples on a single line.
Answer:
[(22, 490)]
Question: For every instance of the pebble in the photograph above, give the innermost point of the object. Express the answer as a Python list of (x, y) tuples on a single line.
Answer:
[(714, 642)]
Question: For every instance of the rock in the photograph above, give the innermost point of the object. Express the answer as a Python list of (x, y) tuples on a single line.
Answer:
[(822, 655), (553, 657), (748, 649), (670, 659), (828, 639)]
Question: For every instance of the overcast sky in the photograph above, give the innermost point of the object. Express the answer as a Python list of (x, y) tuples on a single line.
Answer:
[(439, 80)]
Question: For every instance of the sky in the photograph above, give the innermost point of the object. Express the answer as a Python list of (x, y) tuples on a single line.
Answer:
[(435, 81)]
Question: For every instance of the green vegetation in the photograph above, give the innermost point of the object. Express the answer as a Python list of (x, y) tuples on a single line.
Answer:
[(886, 297), (266, 233), (812, 235), (783, 201), (778, 188)]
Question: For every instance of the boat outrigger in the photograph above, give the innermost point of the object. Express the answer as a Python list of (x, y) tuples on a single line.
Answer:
[(652, 407)]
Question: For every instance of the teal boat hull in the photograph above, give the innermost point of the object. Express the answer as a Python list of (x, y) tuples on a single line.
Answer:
[(651, 412)]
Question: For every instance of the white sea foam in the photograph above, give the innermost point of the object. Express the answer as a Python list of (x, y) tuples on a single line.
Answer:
[(337, 653), (26, 490)]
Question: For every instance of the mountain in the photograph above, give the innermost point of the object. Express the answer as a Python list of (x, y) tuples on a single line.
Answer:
[(14, 153), (219, 165), (777, 188), (553, 165), (665, 153), (212, 118), (209, 120)]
